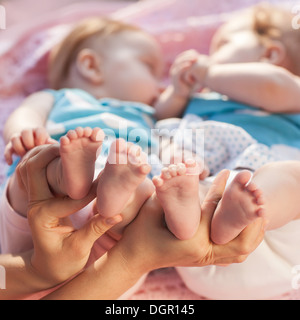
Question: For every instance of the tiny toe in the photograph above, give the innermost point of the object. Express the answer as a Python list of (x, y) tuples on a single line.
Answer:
[(190, 163), (145, 168), (257, 193), (260, 200), (181, 169), (157, 181), (117, 146), (121, 145), (144, 158), (173, 170), (243, 177), (134, 154), (261, 212), (97, 135), (64, 140), (192, 167), (79, 131), (251, 187), (72, 134), (134, 150), (165, 174), (87, 131)]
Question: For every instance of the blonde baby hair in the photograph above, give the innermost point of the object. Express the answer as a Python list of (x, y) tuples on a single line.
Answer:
[(86, 34), (275, 23)]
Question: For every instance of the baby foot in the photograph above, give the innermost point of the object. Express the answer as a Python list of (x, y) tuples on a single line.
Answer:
[(126, 168), (78, 151), (241, 204), (177, 189)]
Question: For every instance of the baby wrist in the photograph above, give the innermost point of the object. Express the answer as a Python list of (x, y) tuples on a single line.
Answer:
[(203, 72)]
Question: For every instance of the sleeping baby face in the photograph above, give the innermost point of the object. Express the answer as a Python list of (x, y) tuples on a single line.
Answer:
[(236, 42), (132, 67)]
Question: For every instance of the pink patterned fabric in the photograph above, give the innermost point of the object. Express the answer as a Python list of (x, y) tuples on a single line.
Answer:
[(177, 24)]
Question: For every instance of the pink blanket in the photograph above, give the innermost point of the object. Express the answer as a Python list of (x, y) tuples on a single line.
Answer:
[(177, 24)]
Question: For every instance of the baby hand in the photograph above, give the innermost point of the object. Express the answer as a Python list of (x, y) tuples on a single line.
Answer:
[(181, 73), (199, 69), (22, 142)]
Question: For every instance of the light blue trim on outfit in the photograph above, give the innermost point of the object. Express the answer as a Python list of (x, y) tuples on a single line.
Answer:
[(266, 128)]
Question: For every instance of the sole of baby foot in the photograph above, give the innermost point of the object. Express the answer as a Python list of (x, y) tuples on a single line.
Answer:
[(78, 151), (126, 168), (241, 204), (177, 189)]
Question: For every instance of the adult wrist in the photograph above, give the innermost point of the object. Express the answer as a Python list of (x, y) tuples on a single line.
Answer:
[(22, 280), (39, 280), (112, 273)]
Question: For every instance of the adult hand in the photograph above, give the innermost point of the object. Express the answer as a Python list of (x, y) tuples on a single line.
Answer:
[(60, 251), (147, 244)]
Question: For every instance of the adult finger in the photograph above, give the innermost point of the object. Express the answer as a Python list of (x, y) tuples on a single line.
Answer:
[(249, 239), (59, 208), (36, 172), (21, 170), (214, 195), (93, 230), (237, 250)]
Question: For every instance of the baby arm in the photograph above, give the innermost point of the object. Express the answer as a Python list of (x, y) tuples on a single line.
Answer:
[(258, 84), (24, 129), (174, 99)]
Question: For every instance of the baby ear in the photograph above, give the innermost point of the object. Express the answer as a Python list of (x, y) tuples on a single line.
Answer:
[(275, 53), (88, 64)]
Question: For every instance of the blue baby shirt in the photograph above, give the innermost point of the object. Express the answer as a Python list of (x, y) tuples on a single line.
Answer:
[(266, 128), (72, 108)]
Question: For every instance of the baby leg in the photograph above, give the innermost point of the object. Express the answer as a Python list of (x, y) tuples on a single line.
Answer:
[(241, 203), (72, 174), (280, 184), (177, 189), (123, 186), (272, 193)]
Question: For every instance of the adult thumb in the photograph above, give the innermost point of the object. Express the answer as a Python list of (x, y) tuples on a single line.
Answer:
[(95, 228)]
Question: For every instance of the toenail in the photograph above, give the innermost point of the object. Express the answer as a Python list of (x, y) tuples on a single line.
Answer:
[(99, 136)]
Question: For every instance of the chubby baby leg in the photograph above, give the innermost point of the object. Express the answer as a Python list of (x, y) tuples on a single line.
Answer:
[(177, 189), (280, 184), (242, 202), (72, 174), (123, 186)]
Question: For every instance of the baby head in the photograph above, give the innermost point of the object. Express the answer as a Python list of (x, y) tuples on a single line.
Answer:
[(108, 58), (264, 33)]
